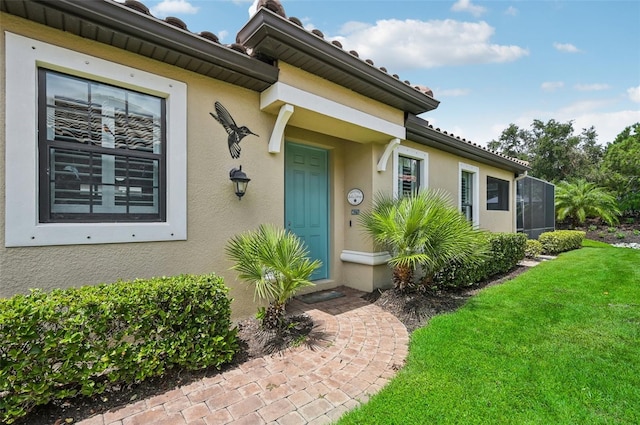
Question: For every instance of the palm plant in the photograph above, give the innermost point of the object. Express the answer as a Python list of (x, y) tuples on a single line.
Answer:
[(580, 199), (275, 261), (423, 232)]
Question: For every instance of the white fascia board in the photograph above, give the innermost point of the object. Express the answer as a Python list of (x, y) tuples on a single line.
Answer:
[(280, 92)]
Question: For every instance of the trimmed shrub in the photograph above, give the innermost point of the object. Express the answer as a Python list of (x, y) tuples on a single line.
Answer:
[(533, 249), (82, 340), (561, 240), (505, 251)]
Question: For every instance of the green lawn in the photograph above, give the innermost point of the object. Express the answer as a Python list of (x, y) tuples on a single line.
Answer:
[(560, 344)]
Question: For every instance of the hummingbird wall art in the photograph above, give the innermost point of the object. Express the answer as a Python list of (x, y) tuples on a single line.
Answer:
[(236, 134)]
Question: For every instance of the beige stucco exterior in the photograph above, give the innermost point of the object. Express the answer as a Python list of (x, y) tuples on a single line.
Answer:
[(214, 214)]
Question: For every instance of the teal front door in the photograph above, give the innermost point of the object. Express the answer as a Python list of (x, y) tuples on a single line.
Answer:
[(306, 190)]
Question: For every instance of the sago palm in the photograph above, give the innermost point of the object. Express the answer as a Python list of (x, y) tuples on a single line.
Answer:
[(276, 262), (580, 199), (422, 233)]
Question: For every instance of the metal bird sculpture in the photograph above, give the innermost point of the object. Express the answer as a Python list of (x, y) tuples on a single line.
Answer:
[(236, 134)]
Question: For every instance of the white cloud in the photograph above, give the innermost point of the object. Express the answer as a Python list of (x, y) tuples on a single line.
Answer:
[(566, 47), (414, 44), (634, 93), (467, 6), (511, 11), (222, 35), (552, 85), (583, 107), (591, 87), (252, 9), (452, 92), (607, 124), (173, 7)]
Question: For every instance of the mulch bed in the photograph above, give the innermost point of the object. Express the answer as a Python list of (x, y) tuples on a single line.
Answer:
[(415, 309)]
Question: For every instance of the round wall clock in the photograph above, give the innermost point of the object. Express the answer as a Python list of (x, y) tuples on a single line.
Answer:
[(355, 196)]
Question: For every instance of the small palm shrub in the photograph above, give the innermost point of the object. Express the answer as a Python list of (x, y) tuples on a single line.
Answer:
[(580, 199), (276, 262), (422, 233)]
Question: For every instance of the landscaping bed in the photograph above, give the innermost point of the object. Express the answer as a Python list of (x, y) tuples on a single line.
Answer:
[(626, 233)]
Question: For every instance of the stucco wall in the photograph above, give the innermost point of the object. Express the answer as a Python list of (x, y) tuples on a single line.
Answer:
[(214, 214), (213, 211), (443, 173)]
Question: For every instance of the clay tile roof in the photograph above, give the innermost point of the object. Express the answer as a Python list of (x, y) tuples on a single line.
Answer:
[(416, 126), (176, 22), (297, 21), (238, 47), (136, 5), (273, 5), (276, 7), (209, 36)]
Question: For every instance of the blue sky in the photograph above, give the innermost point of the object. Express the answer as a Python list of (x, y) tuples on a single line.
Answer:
[(490, 63)]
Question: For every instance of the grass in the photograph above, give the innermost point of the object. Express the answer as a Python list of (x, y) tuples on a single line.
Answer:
[(560, 344)]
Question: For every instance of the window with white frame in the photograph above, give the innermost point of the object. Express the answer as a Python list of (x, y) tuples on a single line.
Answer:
[(410, 171), (468, 198), (96, 151)]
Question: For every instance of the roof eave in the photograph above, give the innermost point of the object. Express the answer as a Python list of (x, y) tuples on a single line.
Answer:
[(419, 131), (273, 36), (234, 67)]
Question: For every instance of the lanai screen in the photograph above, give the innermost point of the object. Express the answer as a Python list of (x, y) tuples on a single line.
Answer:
[(535, 207)]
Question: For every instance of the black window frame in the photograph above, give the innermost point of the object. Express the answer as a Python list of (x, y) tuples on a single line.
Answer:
[(499, 189), (128, 156)]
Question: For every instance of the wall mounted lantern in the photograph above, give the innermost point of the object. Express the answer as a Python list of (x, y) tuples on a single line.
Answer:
[(240, 181)]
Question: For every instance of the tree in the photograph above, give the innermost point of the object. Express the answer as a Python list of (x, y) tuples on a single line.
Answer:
[(552, 149), (421, 232), (513, 142), (580, 199), (621, 168), (553, 155), (275, 261)]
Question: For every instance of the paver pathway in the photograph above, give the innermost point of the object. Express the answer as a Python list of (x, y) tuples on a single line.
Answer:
[(361, 348)]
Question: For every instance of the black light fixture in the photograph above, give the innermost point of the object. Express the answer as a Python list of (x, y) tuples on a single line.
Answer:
[(240, 181)]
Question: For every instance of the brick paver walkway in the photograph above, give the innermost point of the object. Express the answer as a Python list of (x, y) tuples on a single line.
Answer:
[(361, 348)]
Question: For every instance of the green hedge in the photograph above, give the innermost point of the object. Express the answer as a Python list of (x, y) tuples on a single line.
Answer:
[(79, 341), (505, 251), (561, 241), (533, 249)]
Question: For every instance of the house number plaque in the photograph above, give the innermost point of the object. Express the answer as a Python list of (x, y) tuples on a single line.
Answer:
[(355, 196)]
